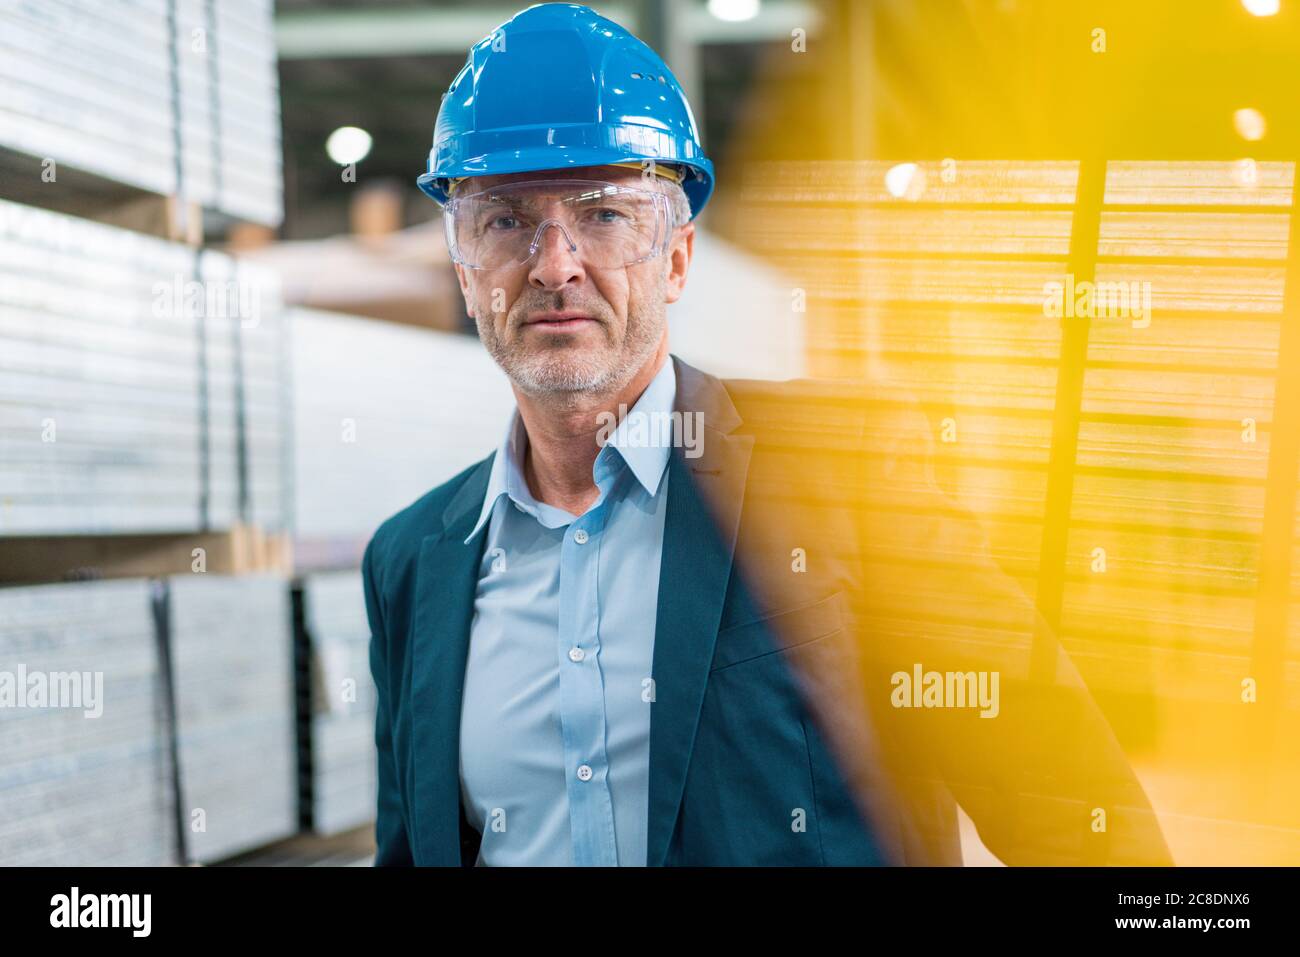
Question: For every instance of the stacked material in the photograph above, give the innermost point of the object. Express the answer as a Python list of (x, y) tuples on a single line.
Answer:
[(233, 665), (197, 102), (927, 289), (84, 84), (403, 276), (76, 788), (953, 284), (230, 107), (382, 414), (99, 379), (249, 101), (116, 89), (1176, 427), (343, 693), (247, 364), (115, 416), (931, 285)]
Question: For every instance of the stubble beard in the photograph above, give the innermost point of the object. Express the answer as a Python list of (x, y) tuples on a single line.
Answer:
[(554, 368)]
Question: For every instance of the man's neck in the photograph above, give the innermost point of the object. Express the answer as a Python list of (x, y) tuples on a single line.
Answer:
[(562, 438)]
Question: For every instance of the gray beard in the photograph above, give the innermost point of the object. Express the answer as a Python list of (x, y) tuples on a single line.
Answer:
[(559, 371)]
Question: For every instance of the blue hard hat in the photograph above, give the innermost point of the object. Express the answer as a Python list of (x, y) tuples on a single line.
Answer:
[(558, 85)]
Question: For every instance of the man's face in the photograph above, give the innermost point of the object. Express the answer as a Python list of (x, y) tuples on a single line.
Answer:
[(623, 310)]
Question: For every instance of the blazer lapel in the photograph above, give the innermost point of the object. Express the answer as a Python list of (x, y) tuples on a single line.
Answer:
[(703, 513), (446, 579)]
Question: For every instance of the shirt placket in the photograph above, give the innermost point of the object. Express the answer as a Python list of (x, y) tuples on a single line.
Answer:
[(582, 691)]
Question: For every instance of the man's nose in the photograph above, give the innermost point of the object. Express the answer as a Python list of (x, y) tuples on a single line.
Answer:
[(556, 262)]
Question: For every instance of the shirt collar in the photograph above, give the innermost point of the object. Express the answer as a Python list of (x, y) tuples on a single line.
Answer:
[(643, 438)]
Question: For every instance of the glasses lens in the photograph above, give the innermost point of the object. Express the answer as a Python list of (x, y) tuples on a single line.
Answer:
[(610, 225)]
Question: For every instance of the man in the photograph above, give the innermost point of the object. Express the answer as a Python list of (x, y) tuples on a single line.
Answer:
[(650, 627)]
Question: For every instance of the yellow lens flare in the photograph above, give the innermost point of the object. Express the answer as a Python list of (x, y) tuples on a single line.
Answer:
[(1034, 232), (1249, 124), (1262, 8), (905, 181)]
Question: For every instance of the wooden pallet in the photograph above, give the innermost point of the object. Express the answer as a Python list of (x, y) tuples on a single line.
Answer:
[(87, 195), (169, 217), (354, 848), (241, 550)]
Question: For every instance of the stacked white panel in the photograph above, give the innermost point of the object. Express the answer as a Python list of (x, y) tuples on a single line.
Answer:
[(343, 716), (198, 102), (99, 367), (76, 789), (104, 382), (89, 84), (249, 95), (246, 362), (232, 655), (117, 87)]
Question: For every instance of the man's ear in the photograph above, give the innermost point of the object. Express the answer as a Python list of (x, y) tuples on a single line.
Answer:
[(464, 289), (679, 261)]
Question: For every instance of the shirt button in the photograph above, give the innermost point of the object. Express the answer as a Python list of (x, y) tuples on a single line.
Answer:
[(576, 654), (580, 536), (584, 772)]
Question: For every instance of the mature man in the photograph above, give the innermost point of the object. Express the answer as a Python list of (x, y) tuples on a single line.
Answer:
[(649, 628)]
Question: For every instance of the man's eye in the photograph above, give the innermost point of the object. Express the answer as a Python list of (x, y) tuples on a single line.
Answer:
[(503, 222), (608, 216)]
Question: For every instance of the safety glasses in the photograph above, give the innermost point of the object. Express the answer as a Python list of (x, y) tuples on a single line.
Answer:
[(607, 225)]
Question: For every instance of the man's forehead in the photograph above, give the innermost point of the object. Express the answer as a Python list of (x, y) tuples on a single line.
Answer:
[(612, 174)]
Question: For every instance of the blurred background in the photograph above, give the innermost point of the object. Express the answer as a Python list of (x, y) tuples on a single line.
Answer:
[(232, 343)]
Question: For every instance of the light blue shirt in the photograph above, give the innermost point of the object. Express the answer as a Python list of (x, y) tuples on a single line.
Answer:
[(555, 719)]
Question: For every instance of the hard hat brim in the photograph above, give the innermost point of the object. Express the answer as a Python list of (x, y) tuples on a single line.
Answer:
[(698, 184)]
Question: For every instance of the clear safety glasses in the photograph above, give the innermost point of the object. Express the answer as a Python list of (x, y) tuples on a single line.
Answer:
[(607, 225)]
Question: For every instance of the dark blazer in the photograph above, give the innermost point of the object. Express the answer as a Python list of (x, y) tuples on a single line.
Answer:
[(772, 738)]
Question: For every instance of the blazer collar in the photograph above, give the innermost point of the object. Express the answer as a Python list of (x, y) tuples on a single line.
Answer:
[(703, 513)]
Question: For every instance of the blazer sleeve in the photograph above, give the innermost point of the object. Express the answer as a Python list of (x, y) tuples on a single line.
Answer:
[(393, 847)]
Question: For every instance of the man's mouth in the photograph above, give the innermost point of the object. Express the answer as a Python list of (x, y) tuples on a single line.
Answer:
[(558, 321)]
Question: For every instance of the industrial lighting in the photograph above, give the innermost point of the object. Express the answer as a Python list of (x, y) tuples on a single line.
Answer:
[(348, 145), (1262, 8), (1246, 173), (1249, 123), (734, 11), (905, 181)]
